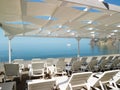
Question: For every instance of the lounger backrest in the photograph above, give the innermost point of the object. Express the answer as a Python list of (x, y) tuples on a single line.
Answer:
[(61, 63), (38, 67), (107, 75), (103, 62), (11, 69), (93, 62), (79, 79), (84, 58), (76, 65), (47, 85), (110, 57), (116, 61), (1, 67)]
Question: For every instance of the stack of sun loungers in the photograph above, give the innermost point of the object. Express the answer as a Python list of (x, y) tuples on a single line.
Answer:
[(105, 77)]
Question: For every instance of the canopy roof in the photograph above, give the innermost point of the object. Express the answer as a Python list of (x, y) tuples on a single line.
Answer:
[(60, 18)]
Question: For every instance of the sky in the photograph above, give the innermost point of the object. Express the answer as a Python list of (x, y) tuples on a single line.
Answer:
[(45, 44), (116, 2)]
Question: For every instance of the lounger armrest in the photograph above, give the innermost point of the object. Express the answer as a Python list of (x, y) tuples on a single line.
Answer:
[(95, 76), (95, 88)]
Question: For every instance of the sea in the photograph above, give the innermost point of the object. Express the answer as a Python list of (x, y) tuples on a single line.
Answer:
[(28, 48)]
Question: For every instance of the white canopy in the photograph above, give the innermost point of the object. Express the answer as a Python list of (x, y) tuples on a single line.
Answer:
[(59, 18)]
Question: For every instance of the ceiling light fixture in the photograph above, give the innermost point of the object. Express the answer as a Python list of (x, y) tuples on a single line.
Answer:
[(60, 26), (115, 30), (90, 22), (86, 9), (90, 28), (68, 31), (49, 18)]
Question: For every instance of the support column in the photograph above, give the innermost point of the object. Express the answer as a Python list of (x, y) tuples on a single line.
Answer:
[(119, 46), (78, 41), (9, 50)]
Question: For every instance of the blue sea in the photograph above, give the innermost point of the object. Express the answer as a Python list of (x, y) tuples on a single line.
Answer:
[(28, 48)]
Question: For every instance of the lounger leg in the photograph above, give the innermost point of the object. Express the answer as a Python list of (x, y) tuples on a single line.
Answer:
[(88, 86), (70, 86), (102, 88), (115, 85)]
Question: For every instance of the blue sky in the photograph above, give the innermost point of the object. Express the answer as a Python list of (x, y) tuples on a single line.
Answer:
[(116, 2), (45, 44)]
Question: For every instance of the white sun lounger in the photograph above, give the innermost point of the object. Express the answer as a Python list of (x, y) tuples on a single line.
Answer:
[(104, 79), (78, 81), (41, 84), (11, 71), (37, 69)]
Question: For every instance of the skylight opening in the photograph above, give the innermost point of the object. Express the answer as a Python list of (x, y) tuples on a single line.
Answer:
[(79, 8), (94, 10), (19, 23), (35, 1), (46, 18)]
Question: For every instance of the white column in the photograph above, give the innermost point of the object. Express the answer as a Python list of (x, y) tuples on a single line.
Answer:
[(78, 40), (9, 49), (119, 46)]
